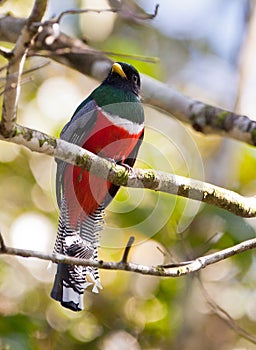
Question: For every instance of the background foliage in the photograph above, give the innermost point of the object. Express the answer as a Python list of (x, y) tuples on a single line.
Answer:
[(204, 49)]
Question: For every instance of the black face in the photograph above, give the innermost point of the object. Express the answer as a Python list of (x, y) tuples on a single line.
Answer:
[(126, 78)]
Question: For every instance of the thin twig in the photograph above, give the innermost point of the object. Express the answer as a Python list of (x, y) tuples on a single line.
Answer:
[(225, 317), (38, 67), (134, 57), (31, 70), (127, 249), (184, 268), (77, 12), (23, 81), (113, 10)]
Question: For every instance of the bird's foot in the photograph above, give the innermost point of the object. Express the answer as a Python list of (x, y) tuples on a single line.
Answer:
[(130, 170), (127, 167)]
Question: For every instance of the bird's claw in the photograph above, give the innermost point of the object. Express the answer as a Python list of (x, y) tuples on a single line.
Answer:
[(130, 170), (127, 167)]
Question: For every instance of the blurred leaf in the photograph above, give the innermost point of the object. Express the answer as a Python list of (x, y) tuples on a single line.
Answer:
[(17, 332)]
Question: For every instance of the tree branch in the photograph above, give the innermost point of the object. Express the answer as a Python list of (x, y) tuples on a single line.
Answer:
[(171, 270), (137, 178), (158, 94), (74, 53), (141, 16), (127, 249), (202, 117), (225, 317), (15, 67)]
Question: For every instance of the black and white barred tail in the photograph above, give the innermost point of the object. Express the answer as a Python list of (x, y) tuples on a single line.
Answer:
[(82, 242)]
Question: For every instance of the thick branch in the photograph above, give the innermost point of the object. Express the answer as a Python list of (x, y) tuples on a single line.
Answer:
[(74, 53), (136, 178), (184, 268), (202, 117)]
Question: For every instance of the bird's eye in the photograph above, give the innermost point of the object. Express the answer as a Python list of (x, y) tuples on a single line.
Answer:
[(135, 79)]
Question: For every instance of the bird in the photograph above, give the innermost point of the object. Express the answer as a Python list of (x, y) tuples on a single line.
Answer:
[(109, 123)]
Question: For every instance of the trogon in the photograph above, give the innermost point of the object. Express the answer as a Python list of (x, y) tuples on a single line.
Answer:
[(109, 123)]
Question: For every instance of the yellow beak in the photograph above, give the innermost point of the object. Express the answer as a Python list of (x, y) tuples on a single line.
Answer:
[(117, 68)]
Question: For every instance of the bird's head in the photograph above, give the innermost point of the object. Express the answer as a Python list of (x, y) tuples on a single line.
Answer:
[(124, 76)]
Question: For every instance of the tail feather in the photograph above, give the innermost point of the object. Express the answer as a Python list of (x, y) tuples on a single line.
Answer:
[(69, 296), (90, 232), (71, 280)]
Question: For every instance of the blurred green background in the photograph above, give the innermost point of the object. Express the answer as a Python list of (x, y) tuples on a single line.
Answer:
[(205, 50)]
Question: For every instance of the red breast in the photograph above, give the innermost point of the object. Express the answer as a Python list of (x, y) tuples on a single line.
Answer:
[(84, 192)]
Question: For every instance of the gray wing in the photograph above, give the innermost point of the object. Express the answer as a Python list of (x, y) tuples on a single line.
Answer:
[(75, 131)]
